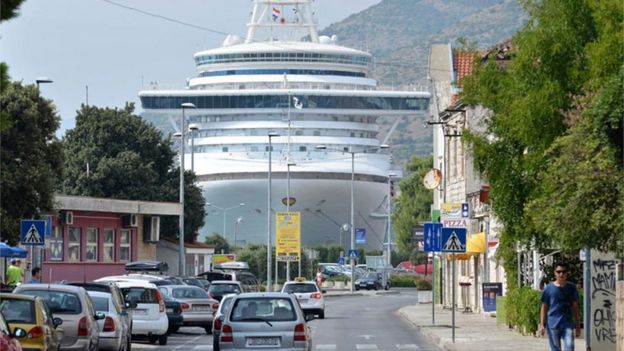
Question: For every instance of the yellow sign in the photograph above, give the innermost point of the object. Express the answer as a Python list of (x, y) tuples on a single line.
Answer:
[(288, 236), (221, 258)]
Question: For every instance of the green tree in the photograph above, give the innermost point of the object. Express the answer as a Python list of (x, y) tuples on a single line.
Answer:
[(31, 157), (414, 204), (550, 150), (221, 245), (115, 154), (8, 10)]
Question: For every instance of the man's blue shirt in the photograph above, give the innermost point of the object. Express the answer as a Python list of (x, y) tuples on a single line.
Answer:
[(559, 301)]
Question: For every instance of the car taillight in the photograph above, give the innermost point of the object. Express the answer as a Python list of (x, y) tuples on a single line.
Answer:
[(315, 296), (161, 302), (185, 306), (109, 324), (215, 307), (83, 326), (300, 332), (217, 323), (35, 332), (226, 334)]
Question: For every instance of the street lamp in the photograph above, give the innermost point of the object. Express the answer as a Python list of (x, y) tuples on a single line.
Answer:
[(44, 80), (182, 268), (288, 165), (352, 246), (238, 220), (269, 252), (389, 250), (225, 209), (193, 127)]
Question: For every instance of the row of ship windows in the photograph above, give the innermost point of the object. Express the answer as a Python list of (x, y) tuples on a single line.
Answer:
[(279, 117), (283, 56), (255, 132), (256, 148), (282, 101), (315, 72)]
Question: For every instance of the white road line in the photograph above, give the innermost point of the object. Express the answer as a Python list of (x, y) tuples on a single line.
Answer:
[(186, 344), (407, 347), (366, 346), (202, 348), (326, 347)]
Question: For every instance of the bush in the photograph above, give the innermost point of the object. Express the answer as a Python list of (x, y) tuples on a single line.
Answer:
[(402, 281), (523, 309), (423, 284)]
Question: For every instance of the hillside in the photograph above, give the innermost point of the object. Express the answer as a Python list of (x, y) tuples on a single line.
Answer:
[(399, 33)]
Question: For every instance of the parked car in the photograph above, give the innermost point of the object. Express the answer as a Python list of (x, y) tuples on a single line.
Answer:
[(115, 328), (197, 306), (116, 295), (265, 320), (236, 271), (190, 281), (205, 284), (369, 281), (224, 307), (10, 341), (31, 314), (174, 314), (74, 306), (309, 295), (149, 317), (218, 288)]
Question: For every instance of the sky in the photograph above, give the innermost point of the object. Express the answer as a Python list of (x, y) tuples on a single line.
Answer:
[(114, 52)]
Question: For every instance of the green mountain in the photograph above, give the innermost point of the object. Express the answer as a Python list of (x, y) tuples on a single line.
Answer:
[(399, 33)]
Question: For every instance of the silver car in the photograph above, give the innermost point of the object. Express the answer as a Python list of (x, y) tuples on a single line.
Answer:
[(309, 295), (270, 321), (224, 307), (197, 307), (115, 330), (74, 306)]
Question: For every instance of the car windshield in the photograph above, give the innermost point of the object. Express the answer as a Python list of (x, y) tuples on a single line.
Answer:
[(189, 293), (58, 301), (140, 295), (300, 288), (264, 309), (18, 311), (224, 288), (370, 276), (100, 303)]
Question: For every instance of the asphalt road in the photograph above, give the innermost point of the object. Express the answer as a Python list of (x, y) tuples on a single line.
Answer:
[(355, 323)]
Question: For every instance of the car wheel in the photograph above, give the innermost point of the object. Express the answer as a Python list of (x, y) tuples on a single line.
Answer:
[(162, 340), (215, 344), (357, 288), (322, 314), (376, 287), (152, 339), (208, 329), (173, 329)]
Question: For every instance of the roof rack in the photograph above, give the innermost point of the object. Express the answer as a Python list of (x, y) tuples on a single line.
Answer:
[(147, 266)]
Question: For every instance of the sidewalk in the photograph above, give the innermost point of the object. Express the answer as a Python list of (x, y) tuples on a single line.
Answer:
[(473, 331)]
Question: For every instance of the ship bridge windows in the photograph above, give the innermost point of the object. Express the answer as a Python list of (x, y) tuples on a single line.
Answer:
[(360, 60), (280, 71)]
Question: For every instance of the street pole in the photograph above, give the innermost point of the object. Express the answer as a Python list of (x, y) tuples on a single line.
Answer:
[(389, 250), (193, 128), (352, 222), (182, 253), (269, 249)]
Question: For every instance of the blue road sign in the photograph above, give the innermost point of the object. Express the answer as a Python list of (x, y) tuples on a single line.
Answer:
[(32, 232), (360, 235), (453, 240), (432, 233), (341, 260), (353, 253)]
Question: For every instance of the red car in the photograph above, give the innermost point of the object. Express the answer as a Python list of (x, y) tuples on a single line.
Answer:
[(9, 341)]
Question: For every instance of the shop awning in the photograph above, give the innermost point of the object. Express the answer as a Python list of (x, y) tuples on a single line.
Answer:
[(475, 245)]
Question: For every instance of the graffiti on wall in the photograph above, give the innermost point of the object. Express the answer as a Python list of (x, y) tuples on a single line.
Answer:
[(603, 281)]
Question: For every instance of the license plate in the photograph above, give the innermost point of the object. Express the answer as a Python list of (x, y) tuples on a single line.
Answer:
[(303, 300), (201, 308), (263, 341), (139, 312), (169, 310)]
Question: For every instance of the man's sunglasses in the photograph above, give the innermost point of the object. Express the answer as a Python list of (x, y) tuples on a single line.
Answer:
[(561, 272)]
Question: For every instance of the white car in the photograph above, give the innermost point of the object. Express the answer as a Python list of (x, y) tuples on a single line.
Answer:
[(309, 295), (149, 317)]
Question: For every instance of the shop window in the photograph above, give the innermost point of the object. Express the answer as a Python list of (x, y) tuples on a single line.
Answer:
[(56, 244), (73, 244), (109, 245), (92, 245), (125, 245)]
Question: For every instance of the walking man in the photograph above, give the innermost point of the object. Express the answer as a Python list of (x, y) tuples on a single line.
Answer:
[(560, 311), (14, 273)]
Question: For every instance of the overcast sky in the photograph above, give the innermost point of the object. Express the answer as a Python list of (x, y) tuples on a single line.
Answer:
[(116, 51)]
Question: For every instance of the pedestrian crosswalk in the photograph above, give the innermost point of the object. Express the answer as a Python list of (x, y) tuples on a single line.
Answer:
[(355, 347)]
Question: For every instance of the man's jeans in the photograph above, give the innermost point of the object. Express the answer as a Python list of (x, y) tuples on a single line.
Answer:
[(555, 336)]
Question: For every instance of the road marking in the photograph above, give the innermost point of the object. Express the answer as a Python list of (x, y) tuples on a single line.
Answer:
[(326, 347), (203, 347), (366, 346), (408, 347), (192, 341)]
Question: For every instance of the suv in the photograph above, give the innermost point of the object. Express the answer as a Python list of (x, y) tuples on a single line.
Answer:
[(218, 288), (74, 306), (309, 295), (149, 317)]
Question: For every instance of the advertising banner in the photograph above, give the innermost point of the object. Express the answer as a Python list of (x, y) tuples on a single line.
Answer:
[(288, 236), (490, 291)]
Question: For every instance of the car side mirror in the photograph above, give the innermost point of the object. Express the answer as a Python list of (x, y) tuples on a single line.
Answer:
[(98, 316), (19, 333), (57, 321), (308, 317), (131, 304)]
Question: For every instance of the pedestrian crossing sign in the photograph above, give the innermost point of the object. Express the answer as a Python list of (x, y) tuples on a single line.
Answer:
[(453, 240), (32, 232)]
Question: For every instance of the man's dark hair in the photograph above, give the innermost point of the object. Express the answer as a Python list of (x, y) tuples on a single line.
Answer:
[(35, 270), (562, 264)]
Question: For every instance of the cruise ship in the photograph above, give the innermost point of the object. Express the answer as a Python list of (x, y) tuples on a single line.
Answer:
[(320, 105)]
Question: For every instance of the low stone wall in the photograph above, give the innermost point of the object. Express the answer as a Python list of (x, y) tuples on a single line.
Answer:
[(619, 305)]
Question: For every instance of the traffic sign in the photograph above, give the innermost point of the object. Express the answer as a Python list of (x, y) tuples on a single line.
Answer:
[(340, 260), (360, 235), (432, 233), (32, 232), (453, 240), (353, 254)]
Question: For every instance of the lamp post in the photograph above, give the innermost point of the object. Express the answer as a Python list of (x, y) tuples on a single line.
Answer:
[(389, 249), (225, 209), (288, 165), (269, 251), (182, 268), (193, 127), (238, 220), (40, 80), (352, 246)]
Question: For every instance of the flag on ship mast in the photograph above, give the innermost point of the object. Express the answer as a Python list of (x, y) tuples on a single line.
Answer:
[(276, 14)]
